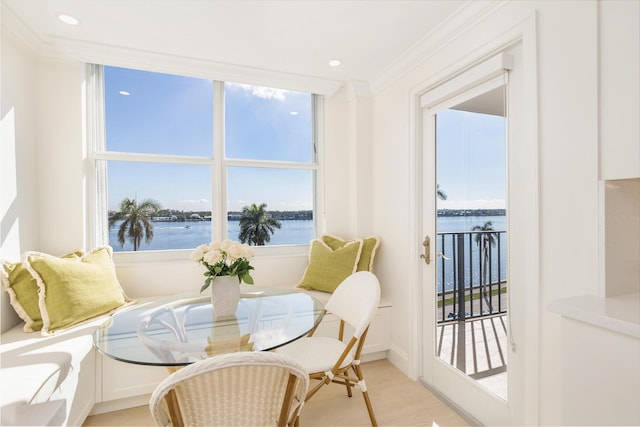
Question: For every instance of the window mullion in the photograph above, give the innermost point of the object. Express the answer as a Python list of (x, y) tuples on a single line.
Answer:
[(270, 164), (97, 199), (151, 158), (218, 174), (318, 159)]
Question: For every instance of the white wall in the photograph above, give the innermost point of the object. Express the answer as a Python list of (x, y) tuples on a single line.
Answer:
[(567, 111), (60, 155), (19, 216)]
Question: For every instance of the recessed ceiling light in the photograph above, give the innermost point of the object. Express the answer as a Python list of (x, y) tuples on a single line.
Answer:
[(124, 93), (335, 63), (294, 113), (68, 19)]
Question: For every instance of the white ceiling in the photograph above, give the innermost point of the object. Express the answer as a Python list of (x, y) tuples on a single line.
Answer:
[(292, 36)]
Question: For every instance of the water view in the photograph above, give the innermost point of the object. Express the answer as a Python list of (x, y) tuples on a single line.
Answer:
[(497, 262), (189, 234)]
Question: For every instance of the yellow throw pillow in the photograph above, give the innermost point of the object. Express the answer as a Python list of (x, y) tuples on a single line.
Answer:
[(369, 247), (23, 292), (74, 290), (328, 267)]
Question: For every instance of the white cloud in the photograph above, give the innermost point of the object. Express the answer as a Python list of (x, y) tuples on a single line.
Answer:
[(261, 92)]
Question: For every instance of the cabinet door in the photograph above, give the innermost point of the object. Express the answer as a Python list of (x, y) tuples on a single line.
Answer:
[(619, 89), (123, 380)]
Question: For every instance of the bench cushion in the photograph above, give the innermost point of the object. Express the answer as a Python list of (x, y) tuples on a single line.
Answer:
[(23, 292), (72, 291), (329, 267)]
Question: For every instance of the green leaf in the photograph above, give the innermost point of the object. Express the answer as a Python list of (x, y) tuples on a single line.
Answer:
[(246, 277), (206, 284)]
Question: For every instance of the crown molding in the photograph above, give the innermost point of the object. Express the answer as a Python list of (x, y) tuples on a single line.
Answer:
[(357, 89), (15, 27), (194, 67), (75, 50), (465, 17)]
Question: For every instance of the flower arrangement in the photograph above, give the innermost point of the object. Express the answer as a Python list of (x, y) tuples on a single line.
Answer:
[(226, 258)]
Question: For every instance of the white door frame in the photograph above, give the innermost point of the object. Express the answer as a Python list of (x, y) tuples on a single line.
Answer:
[(522, 405)]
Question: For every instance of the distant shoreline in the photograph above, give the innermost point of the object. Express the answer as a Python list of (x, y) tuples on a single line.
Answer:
[(304, 215), (472, 212)]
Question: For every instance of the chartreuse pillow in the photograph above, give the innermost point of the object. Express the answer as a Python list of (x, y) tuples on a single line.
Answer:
[(369, 247), (74, 290), (23, 292), (328, 267)]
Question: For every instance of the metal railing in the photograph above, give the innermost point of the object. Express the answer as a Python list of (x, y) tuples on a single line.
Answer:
[(471, 276)]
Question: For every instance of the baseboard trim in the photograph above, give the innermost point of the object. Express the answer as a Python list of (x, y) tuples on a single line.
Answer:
[(400, 359), (119, 404), (450, 403)]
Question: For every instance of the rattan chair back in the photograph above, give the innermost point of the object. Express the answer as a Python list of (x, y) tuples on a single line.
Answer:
[(236, 389)]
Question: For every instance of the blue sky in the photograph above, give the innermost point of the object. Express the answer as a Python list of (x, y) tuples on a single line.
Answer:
[(155, 113), (471, 160)]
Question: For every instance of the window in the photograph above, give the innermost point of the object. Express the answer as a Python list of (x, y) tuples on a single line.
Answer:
[(190, 157)]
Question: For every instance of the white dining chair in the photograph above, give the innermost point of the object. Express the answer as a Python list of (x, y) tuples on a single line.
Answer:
[(236, 389), (329, 359)]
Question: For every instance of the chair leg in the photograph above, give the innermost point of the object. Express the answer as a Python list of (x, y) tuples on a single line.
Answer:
[(347, 384), (365, 394)]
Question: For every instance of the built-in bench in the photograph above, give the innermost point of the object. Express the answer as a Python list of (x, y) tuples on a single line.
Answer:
[(48, 380)]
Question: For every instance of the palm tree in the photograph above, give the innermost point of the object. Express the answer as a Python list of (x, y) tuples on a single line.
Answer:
[(440, 193), (484, 239), (256, 225), (137, 221)]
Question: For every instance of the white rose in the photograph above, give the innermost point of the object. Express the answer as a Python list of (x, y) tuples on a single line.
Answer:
[(247, 251), (214, 246), (225, 245), (199, 252), (235, 251), (212, 257)]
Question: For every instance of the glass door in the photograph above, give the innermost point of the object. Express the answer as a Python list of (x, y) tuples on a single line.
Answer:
[(471, 239), (465, 206)]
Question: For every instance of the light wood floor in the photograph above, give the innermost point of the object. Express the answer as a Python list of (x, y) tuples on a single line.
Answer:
[(397, 401)]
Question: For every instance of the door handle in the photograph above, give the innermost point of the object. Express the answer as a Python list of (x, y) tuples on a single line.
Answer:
[(426, 256)]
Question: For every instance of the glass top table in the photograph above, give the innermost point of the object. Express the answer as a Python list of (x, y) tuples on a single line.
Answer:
[(181, 329)]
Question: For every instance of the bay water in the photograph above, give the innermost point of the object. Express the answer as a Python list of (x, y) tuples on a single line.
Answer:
[(189, 234)]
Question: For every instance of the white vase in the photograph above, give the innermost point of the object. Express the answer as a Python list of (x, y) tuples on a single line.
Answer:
[(225, 295)]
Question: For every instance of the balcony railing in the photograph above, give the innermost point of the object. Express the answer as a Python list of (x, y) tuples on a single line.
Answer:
[(472, 272)]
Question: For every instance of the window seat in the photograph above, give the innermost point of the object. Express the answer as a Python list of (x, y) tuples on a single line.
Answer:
[(36, 372)]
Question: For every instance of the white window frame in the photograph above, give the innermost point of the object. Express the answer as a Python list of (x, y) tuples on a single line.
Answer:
[(97, 230)]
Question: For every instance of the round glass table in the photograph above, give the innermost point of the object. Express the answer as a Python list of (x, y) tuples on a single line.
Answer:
[(181, 329)]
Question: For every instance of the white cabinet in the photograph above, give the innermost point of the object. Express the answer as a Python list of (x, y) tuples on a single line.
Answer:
[(601, 372), (121, 385), (600, 353), (619, 67)]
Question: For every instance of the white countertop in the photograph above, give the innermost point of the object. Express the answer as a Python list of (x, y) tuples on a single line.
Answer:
[(620, 313)]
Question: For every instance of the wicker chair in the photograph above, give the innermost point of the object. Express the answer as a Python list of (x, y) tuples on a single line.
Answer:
[(329, 360), (235, 389)]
